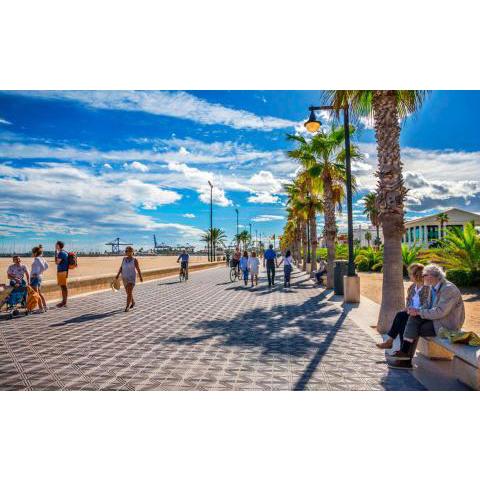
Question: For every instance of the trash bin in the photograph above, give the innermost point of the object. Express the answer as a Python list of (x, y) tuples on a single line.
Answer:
[(339, 271)]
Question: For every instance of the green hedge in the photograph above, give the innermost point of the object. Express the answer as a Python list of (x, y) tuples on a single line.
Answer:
[(460, 277)]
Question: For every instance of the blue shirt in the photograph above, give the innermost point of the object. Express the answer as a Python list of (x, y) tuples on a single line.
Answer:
[(244, 263), (435, 290), (270, 254), (63, 265), (184, 257)]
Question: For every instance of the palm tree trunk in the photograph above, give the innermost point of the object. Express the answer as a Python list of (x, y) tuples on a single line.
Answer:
[(304, 246), (313, 241), (330, 228), (390, 196), (378, 236)]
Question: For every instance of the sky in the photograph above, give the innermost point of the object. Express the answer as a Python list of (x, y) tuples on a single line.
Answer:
[(89, 166)]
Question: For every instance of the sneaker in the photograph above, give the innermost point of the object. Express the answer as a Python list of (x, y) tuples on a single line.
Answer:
[(398, 355), (400, 364)]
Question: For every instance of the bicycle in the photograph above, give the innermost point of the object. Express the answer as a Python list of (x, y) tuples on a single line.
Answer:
[(183, 276), (234, 273)]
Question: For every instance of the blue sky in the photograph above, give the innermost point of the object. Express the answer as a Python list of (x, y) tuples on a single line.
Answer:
[(88, 166)]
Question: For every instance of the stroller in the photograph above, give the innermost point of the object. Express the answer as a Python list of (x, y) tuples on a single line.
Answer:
[(15, 298)]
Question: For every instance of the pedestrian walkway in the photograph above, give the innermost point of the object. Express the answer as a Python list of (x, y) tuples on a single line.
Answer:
[(206, 334)]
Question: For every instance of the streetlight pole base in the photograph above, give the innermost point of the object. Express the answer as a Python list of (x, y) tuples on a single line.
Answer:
[(351, 289)]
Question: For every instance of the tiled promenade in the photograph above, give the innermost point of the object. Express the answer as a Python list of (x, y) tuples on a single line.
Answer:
[(207, 334)]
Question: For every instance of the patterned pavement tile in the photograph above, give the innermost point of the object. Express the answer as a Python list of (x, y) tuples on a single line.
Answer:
[(206, 334)]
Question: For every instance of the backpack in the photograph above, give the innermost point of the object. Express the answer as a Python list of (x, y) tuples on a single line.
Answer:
[(72, 260)]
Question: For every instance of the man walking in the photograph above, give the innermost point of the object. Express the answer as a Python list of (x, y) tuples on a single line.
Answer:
[(270, 259), (61, 260)]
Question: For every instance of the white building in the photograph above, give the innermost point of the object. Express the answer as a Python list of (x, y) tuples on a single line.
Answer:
[(359, 232), (426, 230)]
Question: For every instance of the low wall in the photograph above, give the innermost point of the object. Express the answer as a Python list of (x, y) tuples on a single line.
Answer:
[(78, 286)]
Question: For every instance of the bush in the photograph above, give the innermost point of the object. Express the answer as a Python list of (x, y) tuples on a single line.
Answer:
[(460, 277)]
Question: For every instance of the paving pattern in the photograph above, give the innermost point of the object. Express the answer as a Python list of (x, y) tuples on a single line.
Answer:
[(206, 334)]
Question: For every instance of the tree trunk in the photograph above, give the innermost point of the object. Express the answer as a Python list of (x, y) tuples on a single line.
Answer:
[(304, 246), (378, 235), (313, 241), (390, 196), (330, 228)]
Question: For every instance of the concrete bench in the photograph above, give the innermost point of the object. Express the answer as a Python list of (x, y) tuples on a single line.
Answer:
[(466, 359)]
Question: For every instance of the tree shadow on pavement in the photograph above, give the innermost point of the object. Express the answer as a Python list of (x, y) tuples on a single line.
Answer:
[(87, 317), (306, 329)]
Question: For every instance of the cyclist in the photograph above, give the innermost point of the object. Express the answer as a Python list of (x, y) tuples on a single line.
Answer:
[(184, 258), (236, 259)]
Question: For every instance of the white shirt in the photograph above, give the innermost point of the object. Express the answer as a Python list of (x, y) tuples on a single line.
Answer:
[(39, 265), (416, 297), (287, 261), (253, 264)]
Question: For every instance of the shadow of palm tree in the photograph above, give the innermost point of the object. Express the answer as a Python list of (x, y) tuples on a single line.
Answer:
[(87, 317), (286, 330)]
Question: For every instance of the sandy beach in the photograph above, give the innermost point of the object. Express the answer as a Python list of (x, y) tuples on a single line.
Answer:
[(98, 265)]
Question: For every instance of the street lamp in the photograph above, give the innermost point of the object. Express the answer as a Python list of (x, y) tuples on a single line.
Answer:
[(211, 222), (250, 225), (313, 125), (309, 259), (236, 210)]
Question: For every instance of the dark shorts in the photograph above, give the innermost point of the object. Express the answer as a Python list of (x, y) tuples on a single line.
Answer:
[(184, 265), (36, 282)]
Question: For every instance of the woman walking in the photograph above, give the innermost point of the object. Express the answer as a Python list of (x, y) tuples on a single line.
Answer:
[(244, 267), (39, 265), (287, 268), (253, 267), (129, 269)]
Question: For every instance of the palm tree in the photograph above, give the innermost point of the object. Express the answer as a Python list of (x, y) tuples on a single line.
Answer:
[(387, 107), (216, 236), (443, 219), (368, 237), (323, 162), (370, 210), (243, 237), (461, 249)]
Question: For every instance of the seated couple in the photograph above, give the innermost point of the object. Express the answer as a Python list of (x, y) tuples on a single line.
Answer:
[(432, 302)]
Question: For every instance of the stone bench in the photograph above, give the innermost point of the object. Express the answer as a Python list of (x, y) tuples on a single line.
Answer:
[(466, 359)]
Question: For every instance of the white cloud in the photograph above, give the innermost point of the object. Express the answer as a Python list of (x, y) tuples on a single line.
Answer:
[(94, 202), (107, 166), (173, 104), (263, 197), (5, 122), (140, 167), (188, 215), (267, 218)]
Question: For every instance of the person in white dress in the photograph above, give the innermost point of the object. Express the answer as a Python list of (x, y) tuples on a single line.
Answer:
[(39, 265), (253, 267)]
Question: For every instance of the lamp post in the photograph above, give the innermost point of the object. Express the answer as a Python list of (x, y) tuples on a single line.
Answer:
[(236, 210), (212, 254), (250, 225), (309, 259), (313, 125)]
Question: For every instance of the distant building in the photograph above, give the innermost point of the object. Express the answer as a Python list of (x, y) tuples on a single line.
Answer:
[(359, 232), (425, 231)]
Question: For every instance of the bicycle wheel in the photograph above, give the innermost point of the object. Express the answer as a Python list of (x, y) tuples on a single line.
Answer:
[(233, 274)]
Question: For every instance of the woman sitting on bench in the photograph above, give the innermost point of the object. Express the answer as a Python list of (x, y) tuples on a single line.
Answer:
[(445, 309), (418, 296)]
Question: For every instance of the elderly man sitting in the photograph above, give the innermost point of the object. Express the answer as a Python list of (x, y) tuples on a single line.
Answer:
[(446, 310)]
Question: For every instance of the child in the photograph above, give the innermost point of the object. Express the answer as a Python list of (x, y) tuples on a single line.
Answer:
[(128, 270), (244, 266), (253, 266)]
